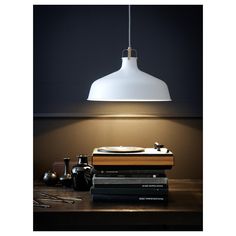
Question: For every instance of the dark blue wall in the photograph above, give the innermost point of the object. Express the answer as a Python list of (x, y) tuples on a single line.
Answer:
[(75, 45)]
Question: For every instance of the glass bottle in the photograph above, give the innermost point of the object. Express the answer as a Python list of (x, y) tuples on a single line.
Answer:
[(82, 174)]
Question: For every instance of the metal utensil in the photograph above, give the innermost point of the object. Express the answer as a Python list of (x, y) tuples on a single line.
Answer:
[(57, 198), (39, 204)]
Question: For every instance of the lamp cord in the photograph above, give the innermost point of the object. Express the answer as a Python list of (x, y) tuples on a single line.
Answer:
[(129, 27)]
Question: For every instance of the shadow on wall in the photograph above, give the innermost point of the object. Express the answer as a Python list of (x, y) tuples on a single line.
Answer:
[(55, 138)]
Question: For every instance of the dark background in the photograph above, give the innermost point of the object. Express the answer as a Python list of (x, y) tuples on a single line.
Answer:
[(75, 45)]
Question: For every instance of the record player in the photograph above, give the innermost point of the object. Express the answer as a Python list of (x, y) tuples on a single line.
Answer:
[(157, 149), (158, 156)]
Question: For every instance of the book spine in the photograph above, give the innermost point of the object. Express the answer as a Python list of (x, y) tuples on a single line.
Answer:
[(130, 191), (126, 180), (128, 172), (131, 175), (145, 186), (126, 198)]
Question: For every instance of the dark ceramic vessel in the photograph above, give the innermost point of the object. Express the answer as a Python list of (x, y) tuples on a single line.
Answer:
[(66, 178), (82, 174), (50, 178)]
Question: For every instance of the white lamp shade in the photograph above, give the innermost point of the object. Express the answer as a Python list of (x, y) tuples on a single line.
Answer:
[(129, 84)]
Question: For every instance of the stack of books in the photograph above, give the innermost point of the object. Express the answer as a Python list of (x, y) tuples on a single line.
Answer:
[(131, 176)]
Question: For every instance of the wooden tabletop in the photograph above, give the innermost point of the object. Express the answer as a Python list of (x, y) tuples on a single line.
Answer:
[(182, 212)]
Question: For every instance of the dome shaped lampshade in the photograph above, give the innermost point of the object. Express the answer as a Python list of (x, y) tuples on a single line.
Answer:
[(129, 84)]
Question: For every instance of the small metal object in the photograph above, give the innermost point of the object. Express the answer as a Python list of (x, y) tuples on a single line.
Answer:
[(39, 204), (57, 198), (158, 146), (73, 198), (129, 52)]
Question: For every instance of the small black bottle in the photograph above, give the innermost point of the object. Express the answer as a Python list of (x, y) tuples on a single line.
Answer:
[(82, 174), (66, 178), (50, 178)]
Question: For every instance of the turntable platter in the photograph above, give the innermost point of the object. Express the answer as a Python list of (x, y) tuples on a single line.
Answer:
[(120, 149)]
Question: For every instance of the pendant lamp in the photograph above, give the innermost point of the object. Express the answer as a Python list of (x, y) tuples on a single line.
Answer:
[(129, 84)]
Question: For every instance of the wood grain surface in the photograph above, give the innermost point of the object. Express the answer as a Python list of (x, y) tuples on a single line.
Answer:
[(182, 212)]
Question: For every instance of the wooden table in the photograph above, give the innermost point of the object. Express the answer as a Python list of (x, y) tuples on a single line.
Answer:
[(182, 212)]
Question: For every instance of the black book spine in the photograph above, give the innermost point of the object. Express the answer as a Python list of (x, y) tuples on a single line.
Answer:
[(159, 186), (130, 172), (131, 191), (127, 198), (130, 175)]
